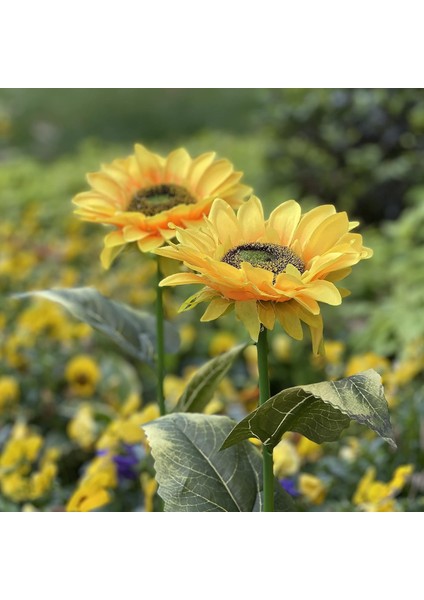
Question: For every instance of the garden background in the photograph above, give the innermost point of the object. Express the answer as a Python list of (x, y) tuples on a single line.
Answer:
[(66, 394)]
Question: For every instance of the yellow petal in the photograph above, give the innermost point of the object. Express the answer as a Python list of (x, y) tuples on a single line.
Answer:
[(251, 219), (215, 309), (181, 279), (222, 216), (338, 275), (289, 319), (133, 234), (266, 314), (310, 221), (150, 243), (323, 291), (247, 312), (92, 502), (285, 219), (150, 164), (105, 185), (108, 255), (114, 238), (213, 177), (326, 235), (198, 167), (177, 166)]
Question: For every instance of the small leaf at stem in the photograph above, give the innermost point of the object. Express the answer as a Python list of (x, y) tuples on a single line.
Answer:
[(204, 382), (320, 411)]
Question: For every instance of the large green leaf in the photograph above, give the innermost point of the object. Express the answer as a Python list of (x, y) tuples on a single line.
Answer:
[(204, 382), (319, 411), (194, 476), (133, 331)]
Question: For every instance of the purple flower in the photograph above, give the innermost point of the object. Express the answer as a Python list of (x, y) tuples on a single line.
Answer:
[(289, 485), (125, 462)]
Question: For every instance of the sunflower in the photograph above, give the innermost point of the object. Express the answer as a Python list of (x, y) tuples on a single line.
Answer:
[(268, 270), (141, 194)]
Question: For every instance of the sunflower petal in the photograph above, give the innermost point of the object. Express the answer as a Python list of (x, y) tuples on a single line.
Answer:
[(251, 220), (215, 309), (247, 313), (108, 255), (177, 166), (289, 319), (150, 164), (181, 279), (266, 314), (284, 219)]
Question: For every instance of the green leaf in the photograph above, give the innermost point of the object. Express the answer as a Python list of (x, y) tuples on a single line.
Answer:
[(204, 382), (133, 331), (194, 476), (319, 411)]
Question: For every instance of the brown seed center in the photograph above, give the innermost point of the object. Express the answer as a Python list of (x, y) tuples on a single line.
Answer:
[(158, 198), (271, 257)]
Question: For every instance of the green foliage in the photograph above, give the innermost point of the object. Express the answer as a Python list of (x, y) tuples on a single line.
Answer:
[(360, 149), (133, 331), (320, 411), (203, 384), (50, 122), (194, 476)]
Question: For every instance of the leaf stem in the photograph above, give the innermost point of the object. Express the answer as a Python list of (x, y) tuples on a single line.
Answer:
[(160, 355), (264, 394)]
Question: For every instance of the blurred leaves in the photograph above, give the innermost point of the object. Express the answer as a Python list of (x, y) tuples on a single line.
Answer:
[(360, 149), (133, 331)]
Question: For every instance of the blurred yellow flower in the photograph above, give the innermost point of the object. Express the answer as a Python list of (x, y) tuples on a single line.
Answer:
[(222, 341), (280, 268), (369, 360), (376, 496), (23, 477), (87, 498), (93, 490), (149, 486), (333, 351), (286, 459), (9, 392), (142, 194), (82, 373), (187, 336), (308, 450), (82, 428), (312, 488), (127, 429), (281, 347)]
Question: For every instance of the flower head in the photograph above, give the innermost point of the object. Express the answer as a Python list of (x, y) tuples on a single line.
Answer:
[(279, 268), (141, 194), (83, 374), (372, 495)]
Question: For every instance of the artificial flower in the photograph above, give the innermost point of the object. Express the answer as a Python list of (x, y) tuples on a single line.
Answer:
[(275, 269), (142, 194)]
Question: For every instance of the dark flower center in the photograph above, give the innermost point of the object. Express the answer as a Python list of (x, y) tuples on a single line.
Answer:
[(271, 257), (158, 198)]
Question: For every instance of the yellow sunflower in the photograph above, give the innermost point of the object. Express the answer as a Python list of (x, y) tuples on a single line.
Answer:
[(280, 268), (141, 194)]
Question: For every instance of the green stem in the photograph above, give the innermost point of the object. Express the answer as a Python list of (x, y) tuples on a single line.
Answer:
[(160, 358), (264, 394)]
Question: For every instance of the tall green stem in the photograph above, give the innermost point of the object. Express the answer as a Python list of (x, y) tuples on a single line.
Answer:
[(264, 394), (160, 357)]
